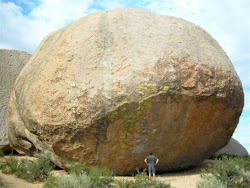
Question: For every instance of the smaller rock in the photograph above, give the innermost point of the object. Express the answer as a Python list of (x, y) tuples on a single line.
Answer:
[(11, 63), (232, 148)]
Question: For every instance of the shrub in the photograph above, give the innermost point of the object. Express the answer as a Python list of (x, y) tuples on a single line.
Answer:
[(79, 168), (74, 181), (141, 180), (125, 184), (100, 177), (82, 176), (28, 170), (1, 153), (23, 170), (1, 182), (9, 166), (227, 171), (158, 183), (41, 168), (211, 181), (50, 182)]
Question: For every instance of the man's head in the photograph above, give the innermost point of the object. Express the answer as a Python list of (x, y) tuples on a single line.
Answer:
[(151, 153)]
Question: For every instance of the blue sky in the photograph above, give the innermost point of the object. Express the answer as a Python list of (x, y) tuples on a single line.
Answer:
[(24, 23)]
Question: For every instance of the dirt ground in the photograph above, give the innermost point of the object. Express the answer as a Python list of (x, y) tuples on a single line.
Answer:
[(184, 179), (11, 181)]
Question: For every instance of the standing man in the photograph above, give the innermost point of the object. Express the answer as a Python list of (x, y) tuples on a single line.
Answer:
[(151, 161)]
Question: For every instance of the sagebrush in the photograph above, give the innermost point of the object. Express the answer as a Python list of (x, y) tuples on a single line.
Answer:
[(227, 171), (141, 180), (2, 182), (2, 153), (28, 170), (82, 176)]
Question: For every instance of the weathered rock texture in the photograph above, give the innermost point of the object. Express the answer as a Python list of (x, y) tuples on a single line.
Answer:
[(115, 85), (232, 148), (11, 63)]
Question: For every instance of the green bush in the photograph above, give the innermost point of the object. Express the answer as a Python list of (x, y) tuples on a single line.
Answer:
[(1, 182), (41, 168), (227, 171), (141, 180), (69, 181), (79, 168), (23, 170), (82, 176), (2, 153), (9, 166), (28, 170), (74, 181), (50, 182), (100, 177), (211, 181)]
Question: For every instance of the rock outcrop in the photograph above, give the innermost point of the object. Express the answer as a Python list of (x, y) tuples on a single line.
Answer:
[(11, 63), (232, 148), (115, 85)]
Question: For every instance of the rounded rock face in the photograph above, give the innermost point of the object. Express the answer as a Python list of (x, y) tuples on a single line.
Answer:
[(11, 63), (115, 85), (232, 148)]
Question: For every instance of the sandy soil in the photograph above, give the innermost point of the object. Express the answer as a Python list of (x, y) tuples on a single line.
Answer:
[(184, 179), (11, 181)]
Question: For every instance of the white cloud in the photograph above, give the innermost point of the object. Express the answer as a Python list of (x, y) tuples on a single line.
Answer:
[(24, 32), (58, 12)]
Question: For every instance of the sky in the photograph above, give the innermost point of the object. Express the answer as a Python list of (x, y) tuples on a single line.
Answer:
[(24, 23)]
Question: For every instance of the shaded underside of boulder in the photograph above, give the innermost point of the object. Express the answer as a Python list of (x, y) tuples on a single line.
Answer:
[(232, 148), (116, 85), (11, 63)]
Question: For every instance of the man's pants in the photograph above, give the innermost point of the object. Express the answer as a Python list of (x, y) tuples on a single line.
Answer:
[(151, 168)]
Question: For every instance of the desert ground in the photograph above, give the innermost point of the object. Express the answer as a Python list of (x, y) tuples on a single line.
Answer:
[(186, 178)]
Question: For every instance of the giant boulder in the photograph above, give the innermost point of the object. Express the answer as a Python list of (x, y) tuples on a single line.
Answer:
[(11, 63), (115, 85)]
